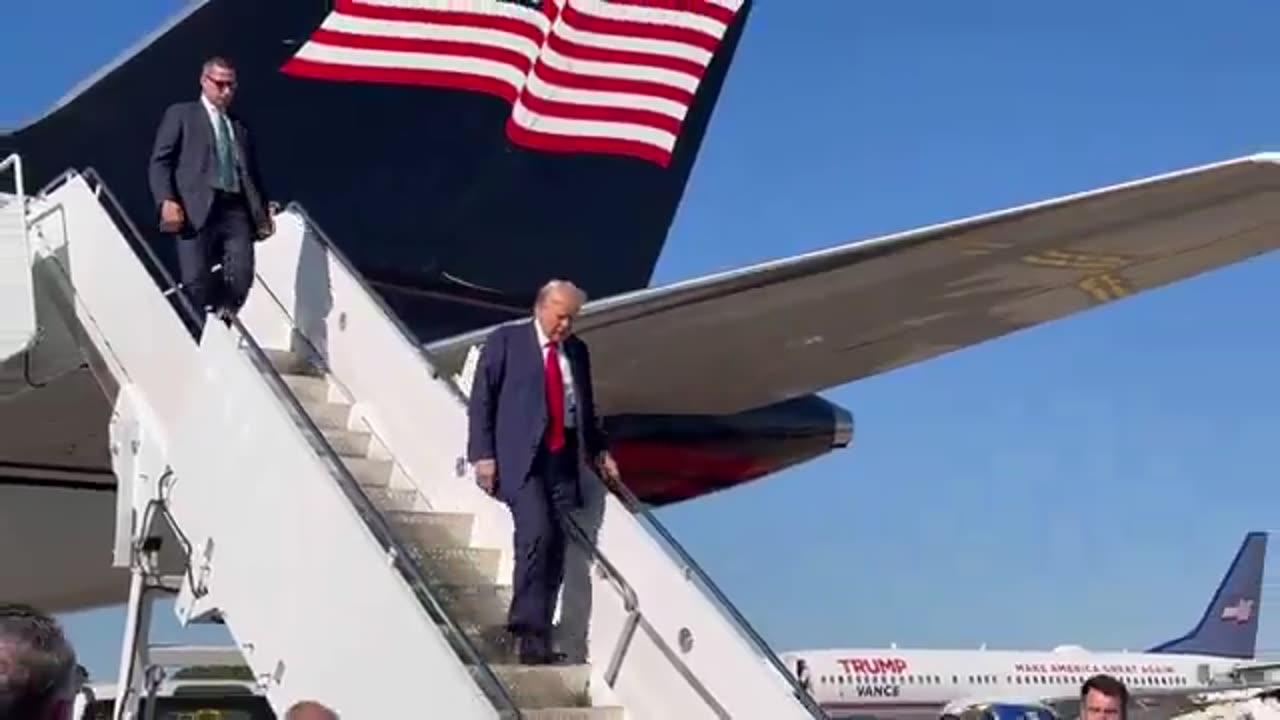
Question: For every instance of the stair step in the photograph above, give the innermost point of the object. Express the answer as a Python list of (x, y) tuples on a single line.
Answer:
[(546, 686), (392, 500), (327, 415), (481, 605), (433, 528), (288, 362), (308, 388), (493, 642), (611, 712), (348, 443), (370, 473), (456, 565)]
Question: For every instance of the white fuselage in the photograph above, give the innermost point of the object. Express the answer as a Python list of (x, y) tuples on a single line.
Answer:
[(918, 683)]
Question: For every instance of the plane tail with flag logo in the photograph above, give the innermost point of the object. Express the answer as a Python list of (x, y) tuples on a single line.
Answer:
[(1229, 627)]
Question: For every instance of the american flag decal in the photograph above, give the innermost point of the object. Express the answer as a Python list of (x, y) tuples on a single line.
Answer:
[(1240, 612), (615, 76)]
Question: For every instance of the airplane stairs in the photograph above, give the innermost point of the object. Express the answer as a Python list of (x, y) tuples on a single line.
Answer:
[(308, 461)]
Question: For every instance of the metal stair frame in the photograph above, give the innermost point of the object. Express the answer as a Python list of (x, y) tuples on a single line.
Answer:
[(169, 384), (350, 322)]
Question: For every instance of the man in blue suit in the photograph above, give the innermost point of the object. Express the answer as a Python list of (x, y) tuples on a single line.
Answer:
[(532, 422)]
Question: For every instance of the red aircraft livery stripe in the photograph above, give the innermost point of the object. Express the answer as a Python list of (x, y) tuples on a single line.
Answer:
[(603, 76)]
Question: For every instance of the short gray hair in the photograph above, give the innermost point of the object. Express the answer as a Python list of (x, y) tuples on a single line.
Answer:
[(37, 664), (562, 285)]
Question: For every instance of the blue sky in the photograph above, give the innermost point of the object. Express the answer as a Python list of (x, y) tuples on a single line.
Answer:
[(1083, 482)]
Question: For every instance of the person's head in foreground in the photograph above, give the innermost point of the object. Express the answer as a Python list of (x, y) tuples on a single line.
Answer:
[(39, 676), (309, 710), (1103, 697)]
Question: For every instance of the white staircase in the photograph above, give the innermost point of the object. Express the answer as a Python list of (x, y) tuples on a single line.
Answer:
[(308, 459)]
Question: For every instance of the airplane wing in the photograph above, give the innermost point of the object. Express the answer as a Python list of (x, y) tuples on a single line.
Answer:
[(751, 337)]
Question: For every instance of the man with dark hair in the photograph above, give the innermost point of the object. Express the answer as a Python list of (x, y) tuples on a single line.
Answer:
[(38, 670), (1103, 697), (206, 185)]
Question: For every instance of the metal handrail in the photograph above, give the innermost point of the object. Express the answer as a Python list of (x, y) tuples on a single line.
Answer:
[(735, 617), (629, 500), (377, 523), (15, 161), (369, 513)]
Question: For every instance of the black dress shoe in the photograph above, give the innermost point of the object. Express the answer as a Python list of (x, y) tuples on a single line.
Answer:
[(554, 658)]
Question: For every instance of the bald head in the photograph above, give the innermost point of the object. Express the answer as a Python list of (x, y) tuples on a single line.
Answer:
[(309, 710), (557, 305)]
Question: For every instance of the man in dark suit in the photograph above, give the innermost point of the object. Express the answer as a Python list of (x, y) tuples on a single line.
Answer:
[(206, 184), (532, 422)]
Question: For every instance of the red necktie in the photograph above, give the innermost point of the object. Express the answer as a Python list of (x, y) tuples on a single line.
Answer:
[(555, 399)]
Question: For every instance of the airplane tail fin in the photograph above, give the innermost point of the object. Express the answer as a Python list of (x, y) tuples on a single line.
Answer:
[(1229, 627)]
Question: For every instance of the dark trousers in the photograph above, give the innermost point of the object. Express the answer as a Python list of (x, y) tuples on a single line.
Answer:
[(226, 238), (538, 510)]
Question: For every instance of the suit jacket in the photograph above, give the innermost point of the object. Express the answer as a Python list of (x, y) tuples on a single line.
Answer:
[(184, 164), (507, 412)]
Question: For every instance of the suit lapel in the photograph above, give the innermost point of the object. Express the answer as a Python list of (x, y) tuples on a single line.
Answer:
[(201, 120), (575, 370), (535, 348)]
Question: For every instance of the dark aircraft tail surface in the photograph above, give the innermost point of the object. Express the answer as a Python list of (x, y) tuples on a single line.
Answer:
[(421, 186)]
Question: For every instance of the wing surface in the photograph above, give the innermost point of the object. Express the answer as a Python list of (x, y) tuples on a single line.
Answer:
[(766, 333)]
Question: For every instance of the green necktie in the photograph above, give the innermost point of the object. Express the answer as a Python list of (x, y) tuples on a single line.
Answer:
[(226, 158)]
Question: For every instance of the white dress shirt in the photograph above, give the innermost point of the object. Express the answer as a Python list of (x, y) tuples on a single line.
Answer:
[(566, 372), (214, 113)]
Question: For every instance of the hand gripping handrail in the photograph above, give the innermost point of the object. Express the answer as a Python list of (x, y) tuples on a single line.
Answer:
[(628, 499), (369, 513)]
